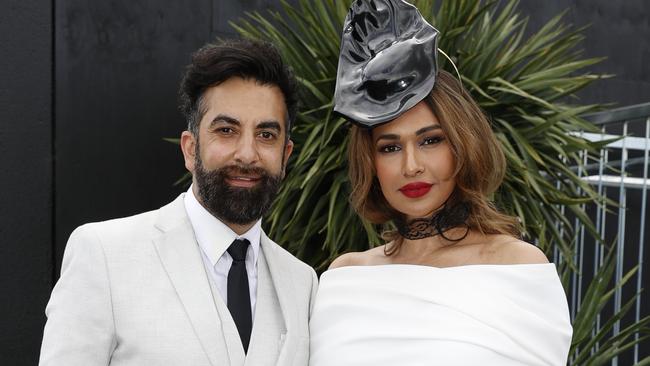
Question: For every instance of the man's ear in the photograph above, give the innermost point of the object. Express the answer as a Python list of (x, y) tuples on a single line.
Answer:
[(188, 146), (288, 149)]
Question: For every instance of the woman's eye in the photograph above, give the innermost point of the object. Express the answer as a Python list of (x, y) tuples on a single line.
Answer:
[(389, 148), (432, 140)]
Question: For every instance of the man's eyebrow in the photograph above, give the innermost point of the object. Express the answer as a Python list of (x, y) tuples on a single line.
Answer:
[(274, 125), (225, 119), (427, 129)]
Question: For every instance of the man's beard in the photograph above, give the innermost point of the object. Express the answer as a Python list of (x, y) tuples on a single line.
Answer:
[(235, 205)]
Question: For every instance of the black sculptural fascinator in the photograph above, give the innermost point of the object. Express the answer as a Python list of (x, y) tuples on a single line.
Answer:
[(387, 65), (388, 61)]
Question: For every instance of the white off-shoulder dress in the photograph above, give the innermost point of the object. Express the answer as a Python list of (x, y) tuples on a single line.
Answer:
[(409, 315)]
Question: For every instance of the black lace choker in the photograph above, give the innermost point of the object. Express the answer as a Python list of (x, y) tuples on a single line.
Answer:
[(437, 224)]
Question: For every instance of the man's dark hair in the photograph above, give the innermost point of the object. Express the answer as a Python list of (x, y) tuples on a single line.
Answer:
[(215, 63)]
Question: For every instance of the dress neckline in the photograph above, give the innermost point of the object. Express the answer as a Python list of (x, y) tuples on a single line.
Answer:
[(434, 268)]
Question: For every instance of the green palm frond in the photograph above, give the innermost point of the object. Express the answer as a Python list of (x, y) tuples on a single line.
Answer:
[(524, 83), (593, 344)]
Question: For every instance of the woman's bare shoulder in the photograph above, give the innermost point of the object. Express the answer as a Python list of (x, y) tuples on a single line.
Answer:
[(366, 258), (506, 249)]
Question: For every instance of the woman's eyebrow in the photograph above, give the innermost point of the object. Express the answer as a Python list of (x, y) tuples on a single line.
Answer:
[(427, 129), (392, 136), (388, 136)]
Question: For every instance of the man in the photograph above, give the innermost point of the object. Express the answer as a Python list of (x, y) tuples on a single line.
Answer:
[(197, 282)]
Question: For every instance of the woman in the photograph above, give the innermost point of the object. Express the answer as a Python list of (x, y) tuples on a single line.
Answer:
[(454, 285)]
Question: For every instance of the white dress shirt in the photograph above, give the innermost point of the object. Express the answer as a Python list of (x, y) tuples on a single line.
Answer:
[(214, 238)]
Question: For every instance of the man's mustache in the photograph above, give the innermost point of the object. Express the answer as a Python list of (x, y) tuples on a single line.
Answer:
[(234, 170)]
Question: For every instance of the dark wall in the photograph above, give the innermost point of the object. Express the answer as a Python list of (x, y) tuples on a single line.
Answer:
[(88, 92), (118, 65), (619, 31), (26, 183)]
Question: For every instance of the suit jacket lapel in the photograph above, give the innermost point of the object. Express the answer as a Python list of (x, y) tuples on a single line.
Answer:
[(284, 287), (181, 258), (269, 326), (229, 329)]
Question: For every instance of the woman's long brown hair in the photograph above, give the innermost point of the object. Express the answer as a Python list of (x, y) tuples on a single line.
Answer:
[(480, 164)]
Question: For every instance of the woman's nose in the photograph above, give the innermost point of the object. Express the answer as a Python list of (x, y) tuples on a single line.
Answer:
[(412, 165)]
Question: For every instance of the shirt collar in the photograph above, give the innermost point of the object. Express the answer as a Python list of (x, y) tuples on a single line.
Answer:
[(214, 237)]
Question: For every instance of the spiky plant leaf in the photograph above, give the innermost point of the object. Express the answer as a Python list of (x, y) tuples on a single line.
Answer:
[(524, 83), (596, 345)]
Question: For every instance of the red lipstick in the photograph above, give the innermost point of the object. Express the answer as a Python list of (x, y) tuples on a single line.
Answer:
[(415, 190)]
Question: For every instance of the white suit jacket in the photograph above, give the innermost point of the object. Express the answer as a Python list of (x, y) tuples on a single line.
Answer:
[(134, 291)]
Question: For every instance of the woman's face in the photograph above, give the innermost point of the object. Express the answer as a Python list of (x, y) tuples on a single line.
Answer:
[(414, 162)]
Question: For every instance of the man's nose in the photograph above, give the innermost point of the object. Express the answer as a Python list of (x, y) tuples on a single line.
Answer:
[(246, 150)]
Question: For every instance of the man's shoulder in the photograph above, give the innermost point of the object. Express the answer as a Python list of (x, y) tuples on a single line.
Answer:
[(289, 259), (126, 224), (132, 228)]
